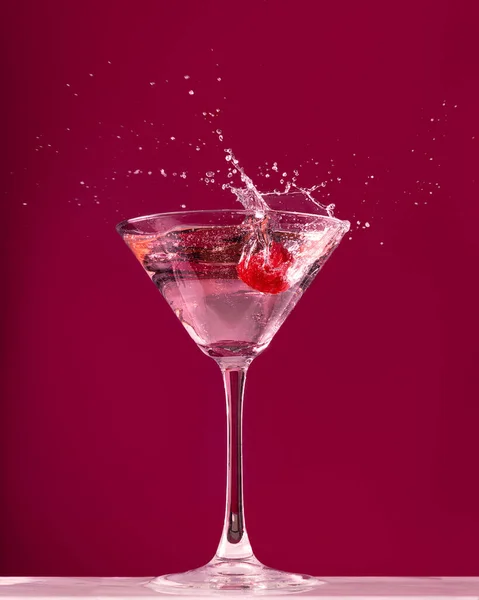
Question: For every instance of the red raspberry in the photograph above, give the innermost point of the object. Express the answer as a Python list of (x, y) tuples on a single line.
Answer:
[(267, 276)]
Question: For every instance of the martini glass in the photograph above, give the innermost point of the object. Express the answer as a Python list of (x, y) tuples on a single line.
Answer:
[(232, 277)]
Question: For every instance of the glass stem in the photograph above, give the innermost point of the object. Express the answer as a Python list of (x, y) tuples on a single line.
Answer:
[(234, 542)]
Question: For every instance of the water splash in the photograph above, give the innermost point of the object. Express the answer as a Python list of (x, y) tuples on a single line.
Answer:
[(252, 199)]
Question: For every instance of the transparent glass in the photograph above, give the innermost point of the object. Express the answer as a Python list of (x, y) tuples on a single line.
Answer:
[(232, 278)]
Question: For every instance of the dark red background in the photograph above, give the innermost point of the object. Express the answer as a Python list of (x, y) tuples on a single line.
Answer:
[(362, 417)]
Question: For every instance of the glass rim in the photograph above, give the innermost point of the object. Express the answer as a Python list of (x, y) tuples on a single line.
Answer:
[(122, 224)]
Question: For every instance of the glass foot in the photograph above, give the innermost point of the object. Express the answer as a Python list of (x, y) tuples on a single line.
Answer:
[(236, 576)]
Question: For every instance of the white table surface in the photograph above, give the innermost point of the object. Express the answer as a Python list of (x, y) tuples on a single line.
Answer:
[(336, 587)]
